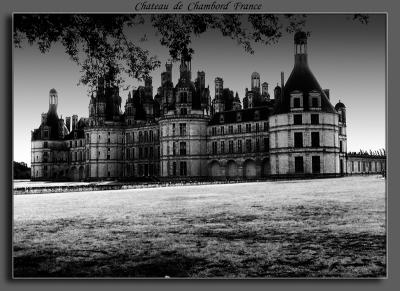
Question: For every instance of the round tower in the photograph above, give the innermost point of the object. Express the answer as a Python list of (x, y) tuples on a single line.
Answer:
[(183, 131), (304, 129), (341, 109)]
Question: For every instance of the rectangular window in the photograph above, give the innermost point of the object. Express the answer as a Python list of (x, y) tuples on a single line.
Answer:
[(257, 127), (140, 170), (128, 154), (184, 97), (174, 149), (182, 148), (314, 118), (316, 165), (230, 129), (231, 146), (151, 152), (248, 128), (314, 101), (214, 131), (266, 144), (174, 169), (239, 128), (296, 102), (222, 130), (182, 129), (341, 146), (297, 119), (76, 143), (248, 145), (133, 153), (298, 139), (173, 128), (352, 166), (146, 153), (140, 153), (45, 145), (315, 139), (222, 147), (266, 126), (183, 168), (298, 165), (257, 145), (239, 145), (214, 147)]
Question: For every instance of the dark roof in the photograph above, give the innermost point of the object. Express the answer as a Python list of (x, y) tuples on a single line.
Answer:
[(339, 105), (302, 79), (79, 133), (246, 115)]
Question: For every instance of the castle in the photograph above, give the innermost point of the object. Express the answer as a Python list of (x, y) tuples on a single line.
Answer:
[(181, 133)]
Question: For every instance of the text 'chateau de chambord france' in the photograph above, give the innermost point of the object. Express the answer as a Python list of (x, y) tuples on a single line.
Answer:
[(182, 133)]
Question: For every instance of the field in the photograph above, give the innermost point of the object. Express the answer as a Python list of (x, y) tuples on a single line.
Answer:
[(302, 228)]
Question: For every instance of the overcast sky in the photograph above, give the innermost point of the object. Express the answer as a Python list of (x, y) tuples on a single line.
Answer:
[(345, 56)]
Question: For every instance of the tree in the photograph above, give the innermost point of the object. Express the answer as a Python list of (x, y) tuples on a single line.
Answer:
[(99, 43)]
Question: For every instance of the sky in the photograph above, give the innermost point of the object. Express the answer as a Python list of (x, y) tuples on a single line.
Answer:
[(346, 57)]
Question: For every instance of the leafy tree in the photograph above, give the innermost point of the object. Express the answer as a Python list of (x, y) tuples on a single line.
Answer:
[(99, 43)]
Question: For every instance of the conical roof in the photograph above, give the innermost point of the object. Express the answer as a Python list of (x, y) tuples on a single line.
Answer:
[(303, 80)]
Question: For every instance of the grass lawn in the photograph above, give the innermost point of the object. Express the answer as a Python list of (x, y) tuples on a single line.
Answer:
[(302, 228)]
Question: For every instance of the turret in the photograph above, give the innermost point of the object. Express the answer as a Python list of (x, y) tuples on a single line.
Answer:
[(53, 101), (341, 109), (264, 91)]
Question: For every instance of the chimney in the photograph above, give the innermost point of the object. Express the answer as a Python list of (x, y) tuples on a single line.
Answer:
[(68, 123), (74, 121), (282, 84)]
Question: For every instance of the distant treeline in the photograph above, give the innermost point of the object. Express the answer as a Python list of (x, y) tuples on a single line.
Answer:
[(21, 171)]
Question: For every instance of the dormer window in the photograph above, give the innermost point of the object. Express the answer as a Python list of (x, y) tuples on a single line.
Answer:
[(296, 100), (239, 117), (314, 100), (46, 133), (183, 111), (256, 115), (184, 97), (221, 118)]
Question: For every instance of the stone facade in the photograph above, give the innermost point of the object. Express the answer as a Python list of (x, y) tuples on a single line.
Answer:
[(180, 133)]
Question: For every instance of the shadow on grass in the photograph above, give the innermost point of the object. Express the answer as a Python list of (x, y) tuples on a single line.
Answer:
[(47, 264)]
